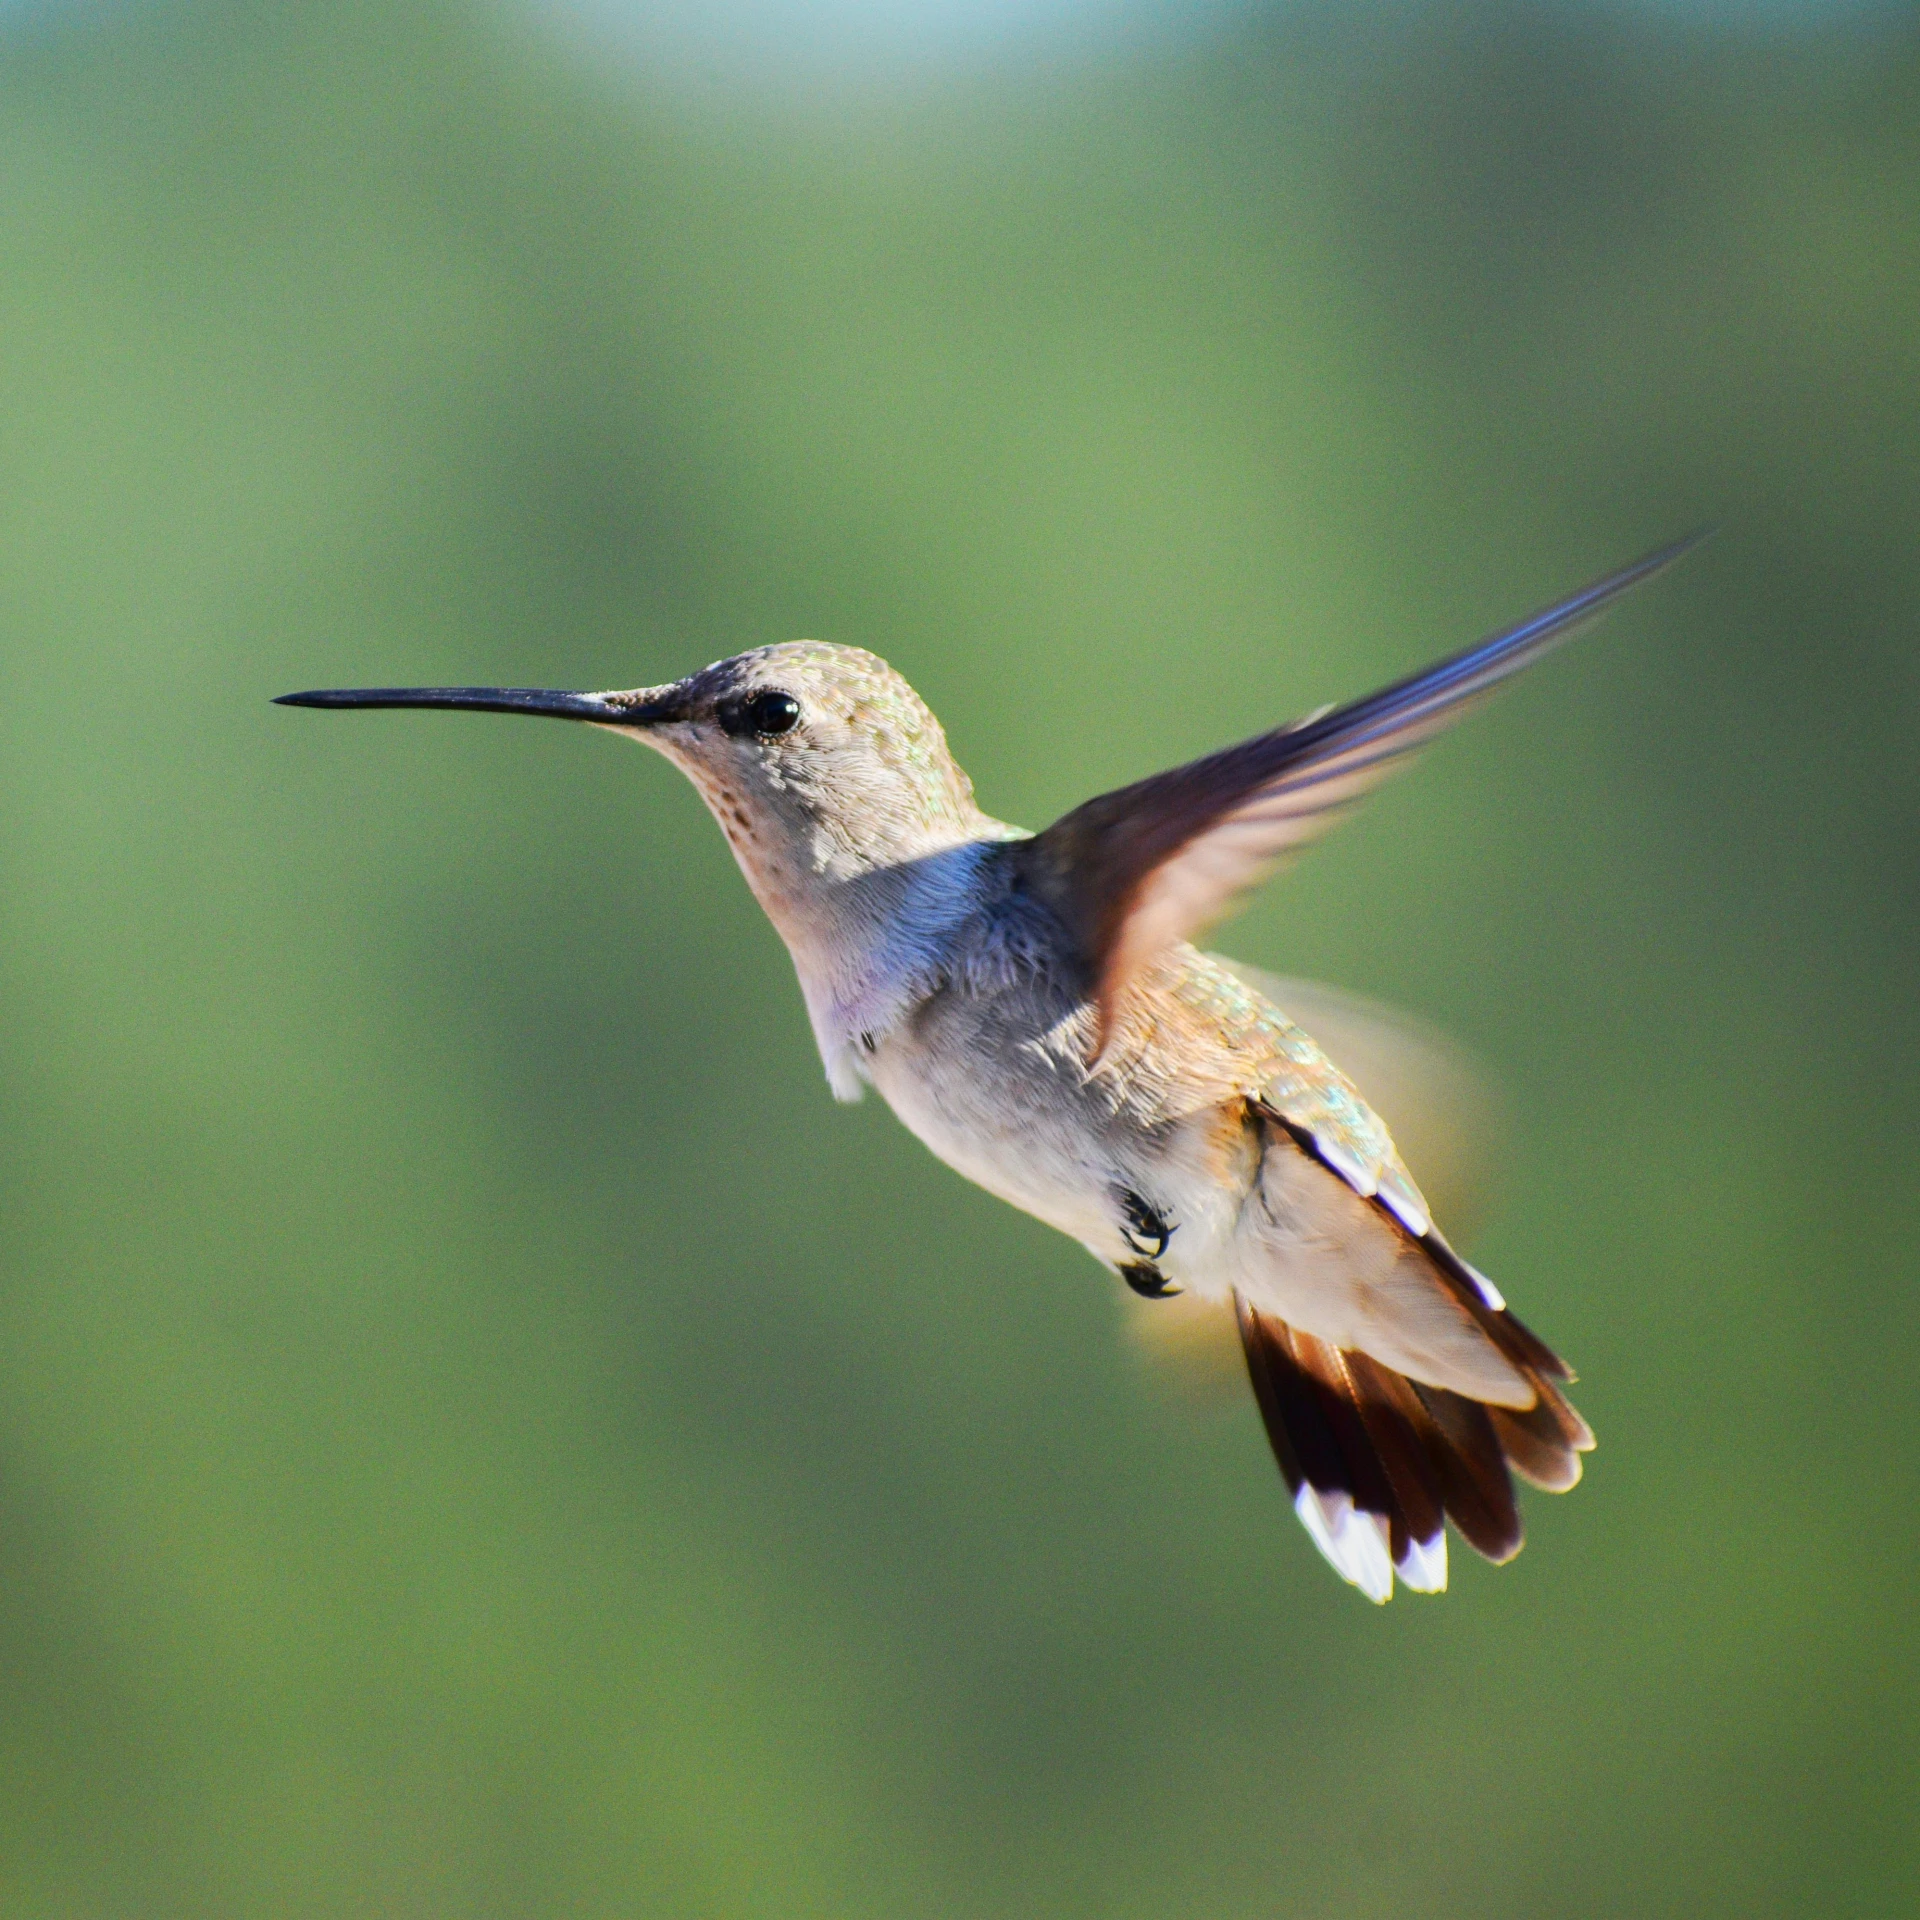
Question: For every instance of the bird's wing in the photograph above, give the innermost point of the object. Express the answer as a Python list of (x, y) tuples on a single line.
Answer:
[(1134, 871)]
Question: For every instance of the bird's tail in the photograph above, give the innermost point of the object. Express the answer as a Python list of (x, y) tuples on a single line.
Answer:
[(1377, 1463)]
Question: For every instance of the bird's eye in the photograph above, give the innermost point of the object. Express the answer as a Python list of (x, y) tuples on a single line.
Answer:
[(773, 712)]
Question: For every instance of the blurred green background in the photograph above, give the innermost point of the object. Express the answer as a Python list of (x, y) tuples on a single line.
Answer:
[(481, 1434)]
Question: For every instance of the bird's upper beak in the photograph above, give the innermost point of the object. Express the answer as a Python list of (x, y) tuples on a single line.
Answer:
[(640, 707)]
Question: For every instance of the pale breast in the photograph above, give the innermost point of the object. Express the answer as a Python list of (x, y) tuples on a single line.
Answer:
[(1005, 1119), (995, 1083)]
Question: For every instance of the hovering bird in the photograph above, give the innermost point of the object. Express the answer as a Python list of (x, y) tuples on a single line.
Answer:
[(1031, 1007)]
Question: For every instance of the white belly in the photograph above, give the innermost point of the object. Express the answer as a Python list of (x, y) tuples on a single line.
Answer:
[(1038, 1160), (1034, 1138)]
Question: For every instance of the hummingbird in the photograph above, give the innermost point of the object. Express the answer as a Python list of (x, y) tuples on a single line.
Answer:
[(1033, 1008)]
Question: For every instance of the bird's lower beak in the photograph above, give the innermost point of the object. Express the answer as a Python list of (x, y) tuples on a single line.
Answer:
[(641, 707)]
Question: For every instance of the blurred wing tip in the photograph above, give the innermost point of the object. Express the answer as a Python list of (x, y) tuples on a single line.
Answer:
[(1665, 556), (1658, 560), (1694, 537)]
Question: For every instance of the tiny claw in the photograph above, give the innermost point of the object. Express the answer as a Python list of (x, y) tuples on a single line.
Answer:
[(1148, 1281), (1145, 1222)]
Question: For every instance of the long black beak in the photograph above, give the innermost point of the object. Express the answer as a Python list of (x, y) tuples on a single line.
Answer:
[(649, 706)]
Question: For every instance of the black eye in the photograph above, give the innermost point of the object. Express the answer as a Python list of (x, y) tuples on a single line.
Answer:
[(773, 712)]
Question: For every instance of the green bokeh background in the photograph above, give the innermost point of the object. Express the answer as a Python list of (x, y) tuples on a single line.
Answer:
[(481, 1434)]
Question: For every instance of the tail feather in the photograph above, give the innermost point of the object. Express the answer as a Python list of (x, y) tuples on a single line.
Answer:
[(1497, 1320), (1376, 1462), (1391, 1416), (1339, 1489), (1544, 1444), (1473, 1473)]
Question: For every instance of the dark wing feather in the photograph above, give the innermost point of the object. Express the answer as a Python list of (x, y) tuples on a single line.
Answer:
[(1134, 871)]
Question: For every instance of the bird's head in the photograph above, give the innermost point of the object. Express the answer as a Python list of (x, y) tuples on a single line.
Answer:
[(820, 762)]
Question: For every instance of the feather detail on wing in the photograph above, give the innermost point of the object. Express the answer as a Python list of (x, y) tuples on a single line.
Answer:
[(1445, 1110), (1398, 1077), (1131, 872)]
